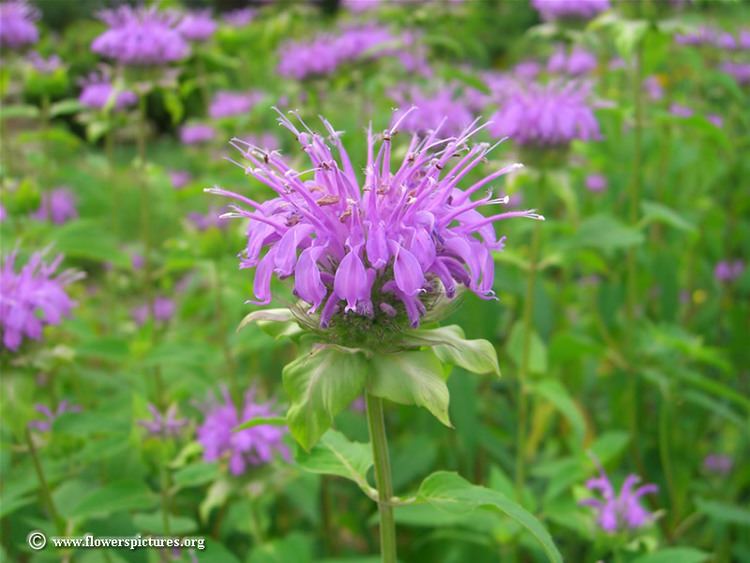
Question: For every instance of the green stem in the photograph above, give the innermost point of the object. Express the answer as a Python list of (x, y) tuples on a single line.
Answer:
[(145, 203), (164, 491), (666, 459), (46, 494), (376, 425)]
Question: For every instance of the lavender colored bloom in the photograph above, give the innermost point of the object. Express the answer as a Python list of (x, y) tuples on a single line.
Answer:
[(165, 425), (716, 120), (433, 110), (528, 69), (739, 71), (240, 17), (728, 271), (162, 308), (680, 111), (576, 63), (98, 92), (551, 10), (547, 115), (652, 86), (197, 25), (45, 424), (17, 27), (179, 178), (45, 66), (228, 104), (377, 247), (212, 219), (623, 511), (32, 298), (617, 63), (3, 213), (137, 261), (141, 37), (596, 183), (720, 464), (57, 206), (196, 134), (253, 446)]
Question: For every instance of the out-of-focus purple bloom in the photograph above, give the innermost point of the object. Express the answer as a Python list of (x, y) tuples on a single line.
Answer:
[(228, 104), (617, 63), (704, 35), (98, 92), (196, 134), (266, 141), (433, 110), (359, 405), (739, 71), (162, 308), (240, 17), (32, 298), (727, 271), (137, 261), (576, 63), (141, 37), (378, 246), (58, 206), (652, 86), (45, 424), (569, 9), (252, 446), (165, 425), (547, 115), (3, 213), (212, 219), (623, 511), (360, 6), (716, 120), (720, 464), (179, 178), (596, 183), (45, 66), (17, 27), (680, 111), (197, 25), (528, 69), (743, 39)]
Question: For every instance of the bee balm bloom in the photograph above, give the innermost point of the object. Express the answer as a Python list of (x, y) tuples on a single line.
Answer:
[(17, 28), (197, 26), (569, 9), (97, 92), (384, 246)]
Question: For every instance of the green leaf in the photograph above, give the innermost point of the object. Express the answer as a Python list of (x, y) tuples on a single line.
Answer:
[(656, 212), (274, 322), (174, 106), (154, 523), (537, 349), (87, 239), (450, 345), (553, 391), (673, 554), (261, 421), (724, 512), (115, 497), (411, 378), (321, 384), (295, 547), (606, 233), (64, 107), (334, 454), (453, 494), (195, 474), (27, 111)]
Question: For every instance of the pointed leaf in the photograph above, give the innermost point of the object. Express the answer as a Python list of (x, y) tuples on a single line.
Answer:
[(274, 322), (336, 455), (558, 395), (261, 421), (451, 346), (672, 554)]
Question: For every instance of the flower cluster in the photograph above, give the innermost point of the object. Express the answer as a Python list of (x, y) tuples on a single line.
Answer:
[(720, 464), (441, 109), (45, 424), (165, 425), (577, 62), (712, 36), (197, 25), (32, 298), (623, 511), (551, 10), (196, 134), (45, 66), (58, 206), (549, 115), (17, 27), (596, 183), (324, 54), (226, 103), (141, 37), (98, 92), (251, 446), (380, 249), (727, 271)]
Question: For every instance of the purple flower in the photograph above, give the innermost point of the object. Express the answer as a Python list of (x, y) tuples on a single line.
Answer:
[(17, 27), (569, 9), (728, 271), (433, 110), (58, 206), (716, 120), (720, 464), (378, 246), (267, 141), (212, 219), (162, 308), (253, 446), (45, 424), (197, 25), (179, 178), (547, 115), (228, 104), (680, 111), (739, 71), (32, 298), (623, 511), (596, 183), (196, 134), (240, 17), (578, 62), (652, 86), (99, 93), (140, 37), (45, 66), (3, 213), (137, 261), (528, 69), (704, 35), (165, 425)]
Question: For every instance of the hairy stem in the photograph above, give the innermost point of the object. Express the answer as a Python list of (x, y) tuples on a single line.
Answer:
[(376, 424)]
